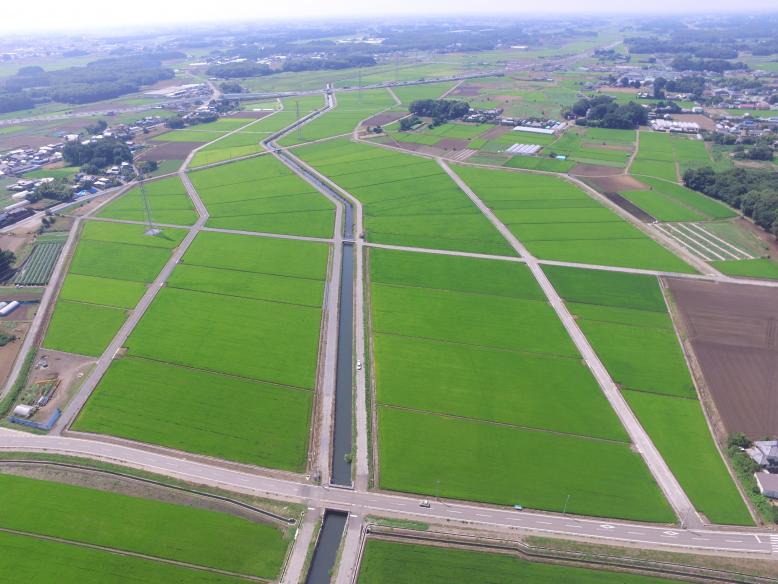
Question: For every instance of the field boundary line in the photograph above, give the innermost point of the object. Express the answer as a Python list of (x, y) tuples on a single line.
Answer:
[(658, 468), (131, 554), (503, 424)]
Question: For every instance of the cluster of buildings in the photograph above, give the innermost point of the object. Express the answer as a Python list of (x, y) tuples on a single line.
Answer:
[(535, 126), (21, 160), (483, 116), (765, 454), (670, 125)]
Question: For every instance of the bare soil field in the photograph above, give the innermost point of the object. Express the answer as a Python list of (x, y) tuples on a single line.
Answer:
[(384, 118), (733, 331), (496, 132), (71, 370), (615, 183), (9, 352), (596, 170), (452, 144), (467, 90), (169, 151), (630, 207)]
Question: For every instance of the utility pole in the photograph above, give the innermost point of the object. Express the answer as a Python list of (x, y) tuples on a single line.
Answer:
[(150, 229)]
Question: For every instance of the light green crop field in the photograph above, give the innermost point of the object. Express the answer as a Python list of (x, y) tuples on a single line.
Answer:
[(407, 200), (386, 562), (695, 202), (583, 147), (261, 194), (352, 108), (661, 207), (167, 200), (540, 163), (411, 93), (758, 268), (246, 141), (470, 346), (224, 361), (533, 207), (131, 524), (678, 428), (172, 406), (111, 267), (659, 152), (642, 353), (500, 464), (203, 132)]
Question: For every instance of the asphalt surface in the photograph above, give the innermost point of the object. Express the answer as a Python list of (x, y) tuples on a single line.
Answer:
[(392, 505)]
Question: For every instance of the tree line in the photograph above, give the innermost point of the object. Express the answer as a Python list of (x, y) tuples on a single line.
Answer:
[(754, 192), (97, 155), (603, 112), (252, 69), (440, 110)]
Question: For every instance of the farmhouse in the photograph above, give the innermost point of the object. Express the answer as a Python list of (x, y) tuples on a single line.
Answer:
[(768, 484), (765, 454)]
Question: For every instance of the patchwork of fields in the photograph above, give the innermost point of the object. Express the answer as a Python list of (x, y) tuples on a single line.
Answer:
[(556, 220), (167, 199), (386, 562), (224, 361), (475, 376), (625, 318), (261, 194), (111, 267), (247, 141), (123, 524), (406, 200), (352, 107), (203, 132)]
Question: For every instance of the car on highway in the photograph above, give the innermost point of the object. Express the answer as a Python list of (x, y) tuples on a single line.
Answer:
[(425, 503), (518, 507), (359, 365)]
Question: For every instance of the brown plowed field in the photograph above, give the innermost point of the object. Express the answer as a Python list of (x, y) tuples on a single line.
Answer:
[(596, 170), (733, 330), (169, 150), (616, 184), (384, 118)]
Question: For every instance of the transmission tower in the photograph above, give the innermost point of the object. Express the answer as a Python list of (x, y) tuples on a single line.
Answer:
[(299, 125), (150, 228)]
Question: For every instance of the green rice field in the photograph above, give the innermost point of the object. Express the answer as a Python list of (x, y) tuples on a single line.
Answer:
[(668, 156), (470, 359), (167, 200), (407, 200), (668, 201), (556, 220), (625, 318), (237, 323), (262, 194), (757, 268), (352, 107), (411, 93), (247, 141), (111, 267), (121, 523), (386, 562), (203, 132)]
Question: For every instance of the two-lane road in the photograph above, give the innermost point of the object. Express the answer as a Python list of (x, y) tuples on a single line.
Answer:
[(393, 505)]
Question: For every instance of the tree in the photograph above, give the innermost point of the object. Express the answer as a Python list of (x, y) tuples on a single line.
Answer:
[(659, 87), (147, 166), (7, 258), (98, 127), (440, 110)]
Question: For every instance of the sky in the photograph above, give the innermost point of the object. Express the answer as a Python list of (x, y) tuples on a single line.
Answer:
[(80, 15)]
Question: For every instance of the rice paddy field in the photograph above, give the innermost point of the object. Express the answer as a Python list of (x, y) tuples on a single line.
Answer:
[(386, 562), (411, 93), (668, 156), (625, 318), (203, 132), (352, 107), (111, 267), (224, 361), (247, 141), (556, 220), (407, 200), (474, 376), (756, 268), (120, 524), (261, 194), (594, 146), (167, 200), (668, 201)]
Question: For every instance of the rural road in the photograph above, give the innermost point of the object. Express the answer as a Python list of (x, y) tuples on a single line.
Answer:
[(391, 505), (640, 439)]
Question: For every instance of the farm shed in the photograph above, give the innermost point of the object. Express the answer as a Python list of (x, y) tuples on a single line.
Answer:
[(24, 411), (768, 484)]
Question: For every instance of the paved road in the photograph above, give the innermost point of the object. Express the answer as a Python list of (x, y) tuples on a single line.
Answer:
[(391, 505), (293, 573), (640, 439)]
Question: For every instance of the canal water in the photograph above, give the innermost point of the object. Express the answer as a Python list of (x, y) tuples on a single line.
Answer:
[(327, 546)]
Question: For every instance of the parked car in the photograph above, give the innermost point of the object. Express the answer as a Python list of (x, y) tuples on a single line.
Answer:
[(425, 503)]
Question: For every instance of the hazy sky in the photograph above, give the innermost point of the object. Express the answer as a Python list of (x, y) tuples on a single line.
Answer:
[(27, 15)]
